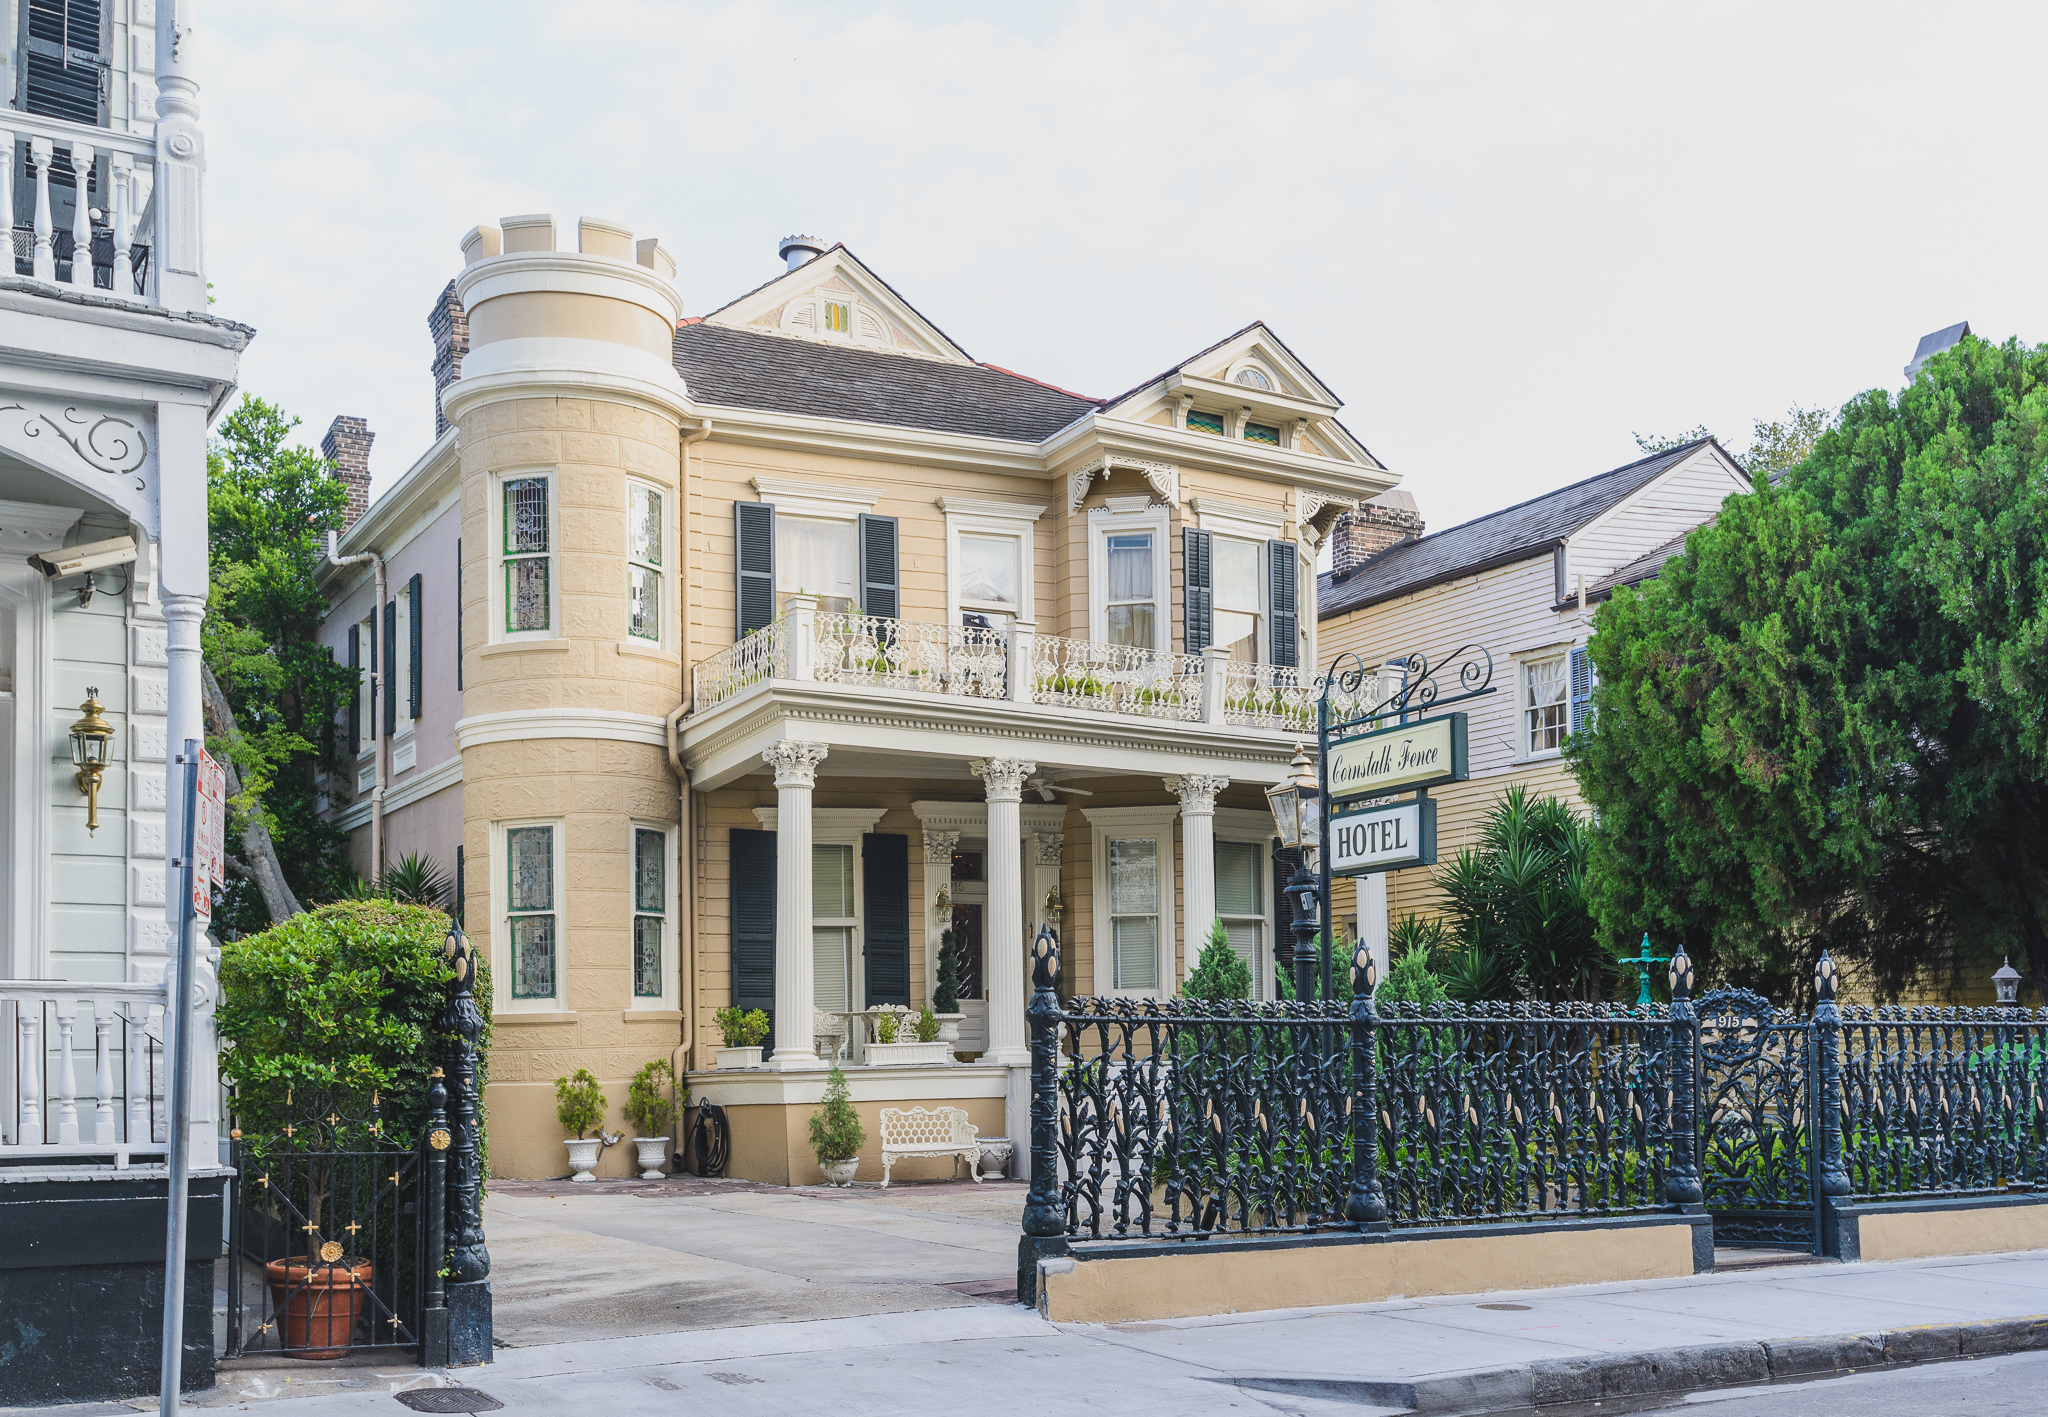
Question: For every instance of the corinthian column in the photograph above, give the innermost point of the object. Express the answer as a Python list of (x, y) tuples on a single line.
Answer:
[(1004, 933), (796, 773), (1197, 864)]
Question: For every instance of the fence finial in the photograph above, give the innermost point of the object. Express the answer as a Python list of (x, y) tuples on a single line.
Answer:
[(1045, 959), (1824, 978), (1365, 973), (1681, 974)]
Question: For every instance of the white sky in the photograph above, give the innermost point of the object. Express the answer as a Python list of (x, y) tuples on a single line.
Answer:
[(1507, 234)]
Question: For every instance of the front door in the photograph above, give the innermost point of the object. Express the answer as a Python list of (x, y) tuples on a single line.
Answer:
[(973, 985)]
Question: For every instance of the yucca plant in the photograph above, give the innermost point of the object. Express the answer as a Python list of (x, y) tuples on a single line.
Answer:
[(415, 880)]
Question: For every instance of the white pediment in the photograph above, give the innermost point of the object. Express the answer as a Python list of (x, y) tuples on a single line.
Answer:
[(835, 299)]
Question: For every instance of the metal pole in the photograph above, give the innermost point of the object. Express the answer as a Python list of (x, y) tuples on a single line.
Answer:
[(1682, 1184), (1833, 1181), (178, 1025), (434, 1319), (1365, 1208), (1045, 1220)]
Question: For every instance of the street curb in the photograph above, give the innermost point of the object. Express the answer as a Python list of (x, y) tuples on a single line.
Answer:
[(1597, 1377)]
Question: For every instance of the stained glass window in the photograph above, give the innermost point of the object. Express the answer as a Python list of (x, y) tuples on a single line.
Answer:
[(646, 525), (1262, 433), (650, 906), (530, 903), (643, 569), (527, 602), (838, 317), (1253, 379), (1205, 423)]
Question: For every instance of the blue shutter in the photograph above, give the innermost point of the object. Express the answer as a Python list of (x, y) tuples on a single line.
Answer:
[(1198, 575), (412, 644), (390, 667), (878, 576), (1283, 603), (751, 896), (1583, 679), (753, 554), (885, 887)]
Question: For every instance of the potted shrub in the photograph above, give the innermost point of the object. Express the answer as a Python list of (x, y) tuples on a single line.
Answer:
[(743, 1031), (836, 1133), (891, 1046), (650, 1108), (579, 1106), (327, 1022), (946, 997)]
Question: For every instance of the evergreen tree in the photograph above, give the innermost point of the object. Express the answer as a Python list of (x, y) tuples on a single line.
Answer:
[(946, 997), (1220, 972)]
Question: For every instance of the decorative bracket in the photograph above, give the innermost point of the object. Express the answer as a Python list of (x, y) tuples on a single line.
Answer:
[(1164, 478), (1309, 507)]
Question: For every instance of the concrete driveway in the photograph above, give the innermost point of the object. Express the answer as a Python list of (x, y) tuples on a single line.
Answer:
[(612, 1258)]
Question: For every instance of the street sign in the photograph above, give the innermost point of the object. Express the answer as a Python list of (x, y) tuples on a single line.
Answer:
[(1412, 755), (1364, 843), (209, 834)]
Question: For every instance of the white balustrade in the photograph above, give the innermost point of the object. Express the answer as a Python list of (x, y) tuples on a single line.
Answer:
[(44, 1019), (910, 655), (37, 250), (1121, 679)]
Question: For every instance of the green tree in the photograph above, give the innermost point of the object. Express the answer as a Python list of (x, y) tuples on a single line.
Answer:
[(1220, 972), (1820, 728), (1515, 908), (1781, 444), (1660, 443), (272, 691)]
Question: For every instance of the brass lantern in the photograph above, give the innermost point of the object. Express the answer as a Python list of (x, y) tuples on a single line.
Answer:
[(91, 736), (1297, 803)]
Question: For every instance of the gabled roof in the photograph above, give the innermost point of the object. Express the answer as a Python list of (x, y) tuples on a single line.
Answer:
[(743, 368), (1496, 539), (838, 262), (1646, 567)]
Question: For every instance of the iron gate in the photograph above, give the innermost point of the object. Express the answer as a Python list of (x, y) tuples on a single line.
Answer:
[(1758, 1104)]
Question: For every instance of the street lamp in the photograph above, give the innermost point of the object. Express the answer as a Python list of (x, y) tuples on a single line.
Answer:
[(90, 737), (1297, 803)]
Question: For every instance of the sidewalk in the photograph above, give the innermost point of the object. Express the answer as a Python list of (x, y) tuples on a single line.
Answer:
[(1465, 1354)]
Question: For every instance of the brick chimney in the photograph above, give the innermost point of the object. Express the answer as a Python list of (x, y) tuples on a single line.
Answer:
[(347, 446), (1387, 520), (448, 322)]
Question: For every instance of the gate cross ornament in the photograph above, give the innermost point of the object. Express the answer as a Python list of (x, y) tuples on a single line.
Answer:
[(1641, 964)]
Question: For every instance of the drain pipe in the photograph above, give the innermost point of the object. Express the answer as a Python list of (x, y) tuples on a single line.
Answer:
[(686, 866), (376, 701)]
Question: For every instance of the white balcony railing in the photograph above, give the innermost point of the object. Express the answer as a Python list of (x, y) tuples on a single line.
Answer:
[(118, 247), (84, 1072), (1020, 666)]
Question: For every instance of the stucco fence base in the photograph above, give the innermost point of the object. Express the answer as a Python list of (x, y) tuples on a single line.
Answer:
[(1174, 1279), (1939, 1225)]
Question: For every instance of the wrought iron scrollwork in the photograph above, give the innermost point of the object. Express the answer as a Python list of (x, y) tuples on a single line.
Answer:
[(1350, 686), (1757, 1116)]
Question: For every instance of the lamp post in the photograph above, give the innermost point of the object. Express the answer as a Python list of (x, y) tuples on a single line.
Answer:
[(90, 738), (1297, 804)]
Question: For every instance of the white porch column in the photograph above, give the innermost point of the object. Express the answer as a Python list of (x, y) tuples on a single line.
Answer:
[(938, 875), (1197, 864), (1009, 1043), (1372, 919), (177, 265), (796, 773)]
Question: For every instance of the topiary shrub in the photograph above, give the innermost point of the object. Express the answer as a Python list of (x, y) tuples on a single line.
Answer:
[(331, 1013), (946, 996), (579, 1103), (836, 1132), (648, 1104), (1220, 972), (741, 1028)]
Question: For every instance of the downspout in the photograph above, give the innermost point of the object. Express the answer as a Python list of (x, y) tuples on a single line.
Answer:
[(376, 702), (687, 854)]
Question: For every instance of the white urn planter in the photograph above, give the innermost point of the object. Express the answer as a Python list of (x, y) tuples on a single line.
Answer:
[(652, 1152), (899, 1054), (949, 1027), (840, 1173), (995, 1155), (582, 1157), (739, 1057)]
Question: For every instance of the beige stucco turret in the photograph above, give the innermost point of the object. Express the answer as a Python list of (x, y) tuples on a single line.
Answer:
[(569, 393)]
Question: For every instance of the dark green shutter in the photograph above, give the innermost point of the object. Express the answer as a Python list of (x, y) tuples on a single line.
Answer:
[(65, 70), (355, 693), (1198, 555), (1283, 603), (412, 644), (751, 899), (1286, 861), (390, 667), (885, 882), (754, 563), (371, 635), (878, 577)]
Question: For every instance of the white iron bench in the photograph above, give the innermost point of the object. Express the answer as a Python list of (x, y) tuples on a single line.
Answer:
[(942, 1131)]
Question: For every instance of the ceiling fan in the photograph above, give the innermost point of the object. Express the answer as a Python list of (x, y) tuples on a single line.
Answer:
[(1046, 789)]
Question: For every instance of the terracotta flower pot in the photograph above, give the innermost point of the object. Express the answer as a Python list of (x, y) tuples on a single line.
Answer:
[(317, 1302)]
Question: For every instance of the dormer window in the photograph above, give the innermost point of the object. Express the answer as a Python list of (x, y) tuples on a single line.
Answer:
[(1262, 433), (1253, 378), (1205, 423)]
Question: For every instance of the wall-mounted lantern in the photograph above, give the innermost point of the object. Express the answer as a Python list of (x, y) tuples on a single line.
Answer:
[(1054, 908), (2008, 981), (91, 736)]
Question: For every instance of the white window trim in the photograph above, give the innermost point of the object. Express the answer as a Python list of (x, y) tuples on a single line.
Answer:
[(1126, 823), (494, 535), (1562, 652), (671, 976), (1237, 519), (1243, 824), (998, 519), (842, 826), (501, 938), (823, 500), (666, 601), (402, 654), (1262, 638), (1102, 522)]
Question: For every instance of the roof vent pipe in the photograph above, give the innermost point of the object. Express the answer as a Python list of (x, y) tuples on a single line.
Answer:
[(798, 249)]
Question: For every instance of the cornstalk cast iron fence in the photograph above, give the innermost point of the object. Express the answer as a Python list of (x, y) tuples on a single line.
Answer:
[(1187, 1119), (353, 1230)]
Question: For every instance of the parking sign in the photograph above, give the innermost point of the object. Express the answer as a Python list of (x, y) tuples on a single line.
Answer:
[(209, 834)]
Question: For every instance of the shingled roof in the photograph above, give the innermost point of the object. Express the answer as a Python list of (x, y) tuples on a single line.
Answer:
[(746, 369), (1496, 539), (1646, 567)]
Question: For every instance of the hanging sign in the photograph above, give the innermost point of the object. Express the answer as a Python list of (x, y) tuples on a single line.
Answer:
[(1364, 843), (209, 834), (1393, 759)]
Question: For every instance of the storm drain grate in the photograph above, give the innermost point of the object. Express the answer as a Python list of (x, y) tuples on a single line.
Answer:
[(448, 1399), (1507, 1308)]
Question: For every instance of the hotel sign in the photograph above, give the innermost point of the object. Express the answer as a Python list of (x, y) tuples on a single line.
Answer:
[(1379, 839), (1395, 759)]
